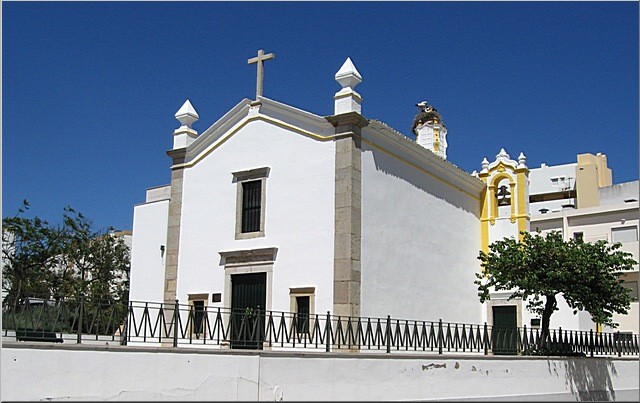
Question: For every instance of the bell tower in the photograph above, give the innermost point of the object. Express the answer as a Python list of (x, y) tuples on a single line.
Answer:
[(505, 204), (430, 131)]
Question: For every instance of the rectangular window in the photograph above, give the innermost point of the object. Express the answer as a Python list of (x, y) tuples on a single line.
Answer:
[(302, 314), (250, 202), (578, 236), (251, 206), (302, 307), (632, 287), (624, 234), (197, 312)]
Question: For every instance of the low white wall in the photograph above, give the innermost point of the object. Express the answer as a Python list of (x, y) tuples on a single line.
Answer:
[(82, 372)]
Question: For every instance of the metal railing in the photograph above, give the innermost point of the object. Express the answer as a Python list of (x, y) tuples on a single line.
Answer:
[(180, 325)]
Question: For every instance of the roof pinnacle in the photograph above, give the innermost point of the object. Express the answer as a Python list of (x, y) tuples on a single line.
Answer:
[(347, 99), (187, 114)]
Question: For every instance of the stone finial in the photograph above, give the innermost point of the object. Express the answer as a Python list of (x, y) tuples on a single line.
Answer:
[(502, 155), (485, 164), (522, 161), (187, 114), (185, 135), (347, 99), (348, 76)]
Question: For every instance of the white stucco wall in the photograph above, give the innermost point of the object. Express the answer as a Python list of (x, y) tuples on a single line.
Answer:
[(503, 228), (420, 241), (147, 259), (298, 218), (540, 183), (540, 178), (123, 373), (619, 193)]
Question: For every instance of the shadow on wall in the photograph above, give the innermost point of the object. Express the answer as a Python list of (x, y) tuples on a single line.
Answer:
[(426, 183), (590, 379)]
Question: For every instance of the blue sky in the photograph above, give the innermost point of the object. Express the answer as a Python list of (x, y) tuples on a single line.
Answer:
[(89, 89)]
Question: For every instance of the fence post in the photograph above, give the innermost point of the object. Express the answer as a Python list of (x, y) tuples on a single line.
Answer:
[(259, 330), (327, 332), (127, 323), (591, 342), (388, 336), (440, 336), (80, 315), (485, 337), (618, 341), (175, 324), (560, 346)]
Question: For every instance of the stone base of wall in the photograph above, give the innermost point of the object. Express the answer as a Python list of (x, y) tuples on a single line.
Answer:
[(85, 372)]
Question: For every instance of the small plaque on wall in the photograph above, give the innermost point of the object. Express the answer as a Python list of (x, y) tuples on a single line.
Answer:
[(216, 297)]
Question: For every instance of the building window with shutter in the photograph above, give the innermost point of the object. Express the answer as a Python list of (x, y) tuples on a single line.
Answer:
[(250, 202), (624, 234)]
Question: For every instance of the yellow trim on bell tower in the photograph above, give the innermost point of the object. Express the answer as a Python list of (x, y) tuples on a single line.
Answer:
[(517, 176), (523, 217)]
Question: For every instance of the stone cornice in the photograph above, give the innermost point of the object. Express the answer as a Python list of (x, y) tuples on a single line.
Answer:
[(177, 155), (350, 118), (247, 256), (219, 128), (293, 115)]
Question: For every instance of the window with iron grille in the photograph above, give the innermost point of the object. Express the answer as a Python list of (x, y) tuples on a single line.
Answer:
[(251, 205), (250, 202)]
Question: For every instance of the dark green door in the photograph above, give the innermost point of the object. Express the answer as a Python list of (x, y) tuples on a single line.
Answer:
[(248, 298), (504, 335)]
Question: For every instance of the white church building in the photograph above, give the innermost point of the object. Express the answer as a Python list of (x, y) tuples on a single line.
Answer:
[(282, 209)]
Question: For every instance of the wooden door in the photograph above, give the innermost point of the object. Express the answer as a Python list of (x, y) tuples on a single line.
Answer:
[(248, 301), (504, 335)]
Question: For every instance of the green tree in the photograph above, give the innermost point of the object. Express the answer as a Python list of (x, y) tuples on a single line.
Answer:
[(61, 262), (100, 259), (31, 251), (538, 268)]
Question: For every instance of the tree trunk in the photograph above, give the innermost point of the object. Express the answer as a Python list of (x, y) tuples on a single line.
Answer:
[(549, 307)]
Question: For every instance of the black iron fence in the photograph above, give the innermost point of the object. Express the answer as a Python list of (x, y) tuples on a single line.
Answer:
[(178, 325)]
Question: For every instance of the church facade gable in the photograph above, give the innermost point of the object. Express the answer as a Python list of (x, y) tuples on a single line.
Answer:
[(294, 175), (245, 112)]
